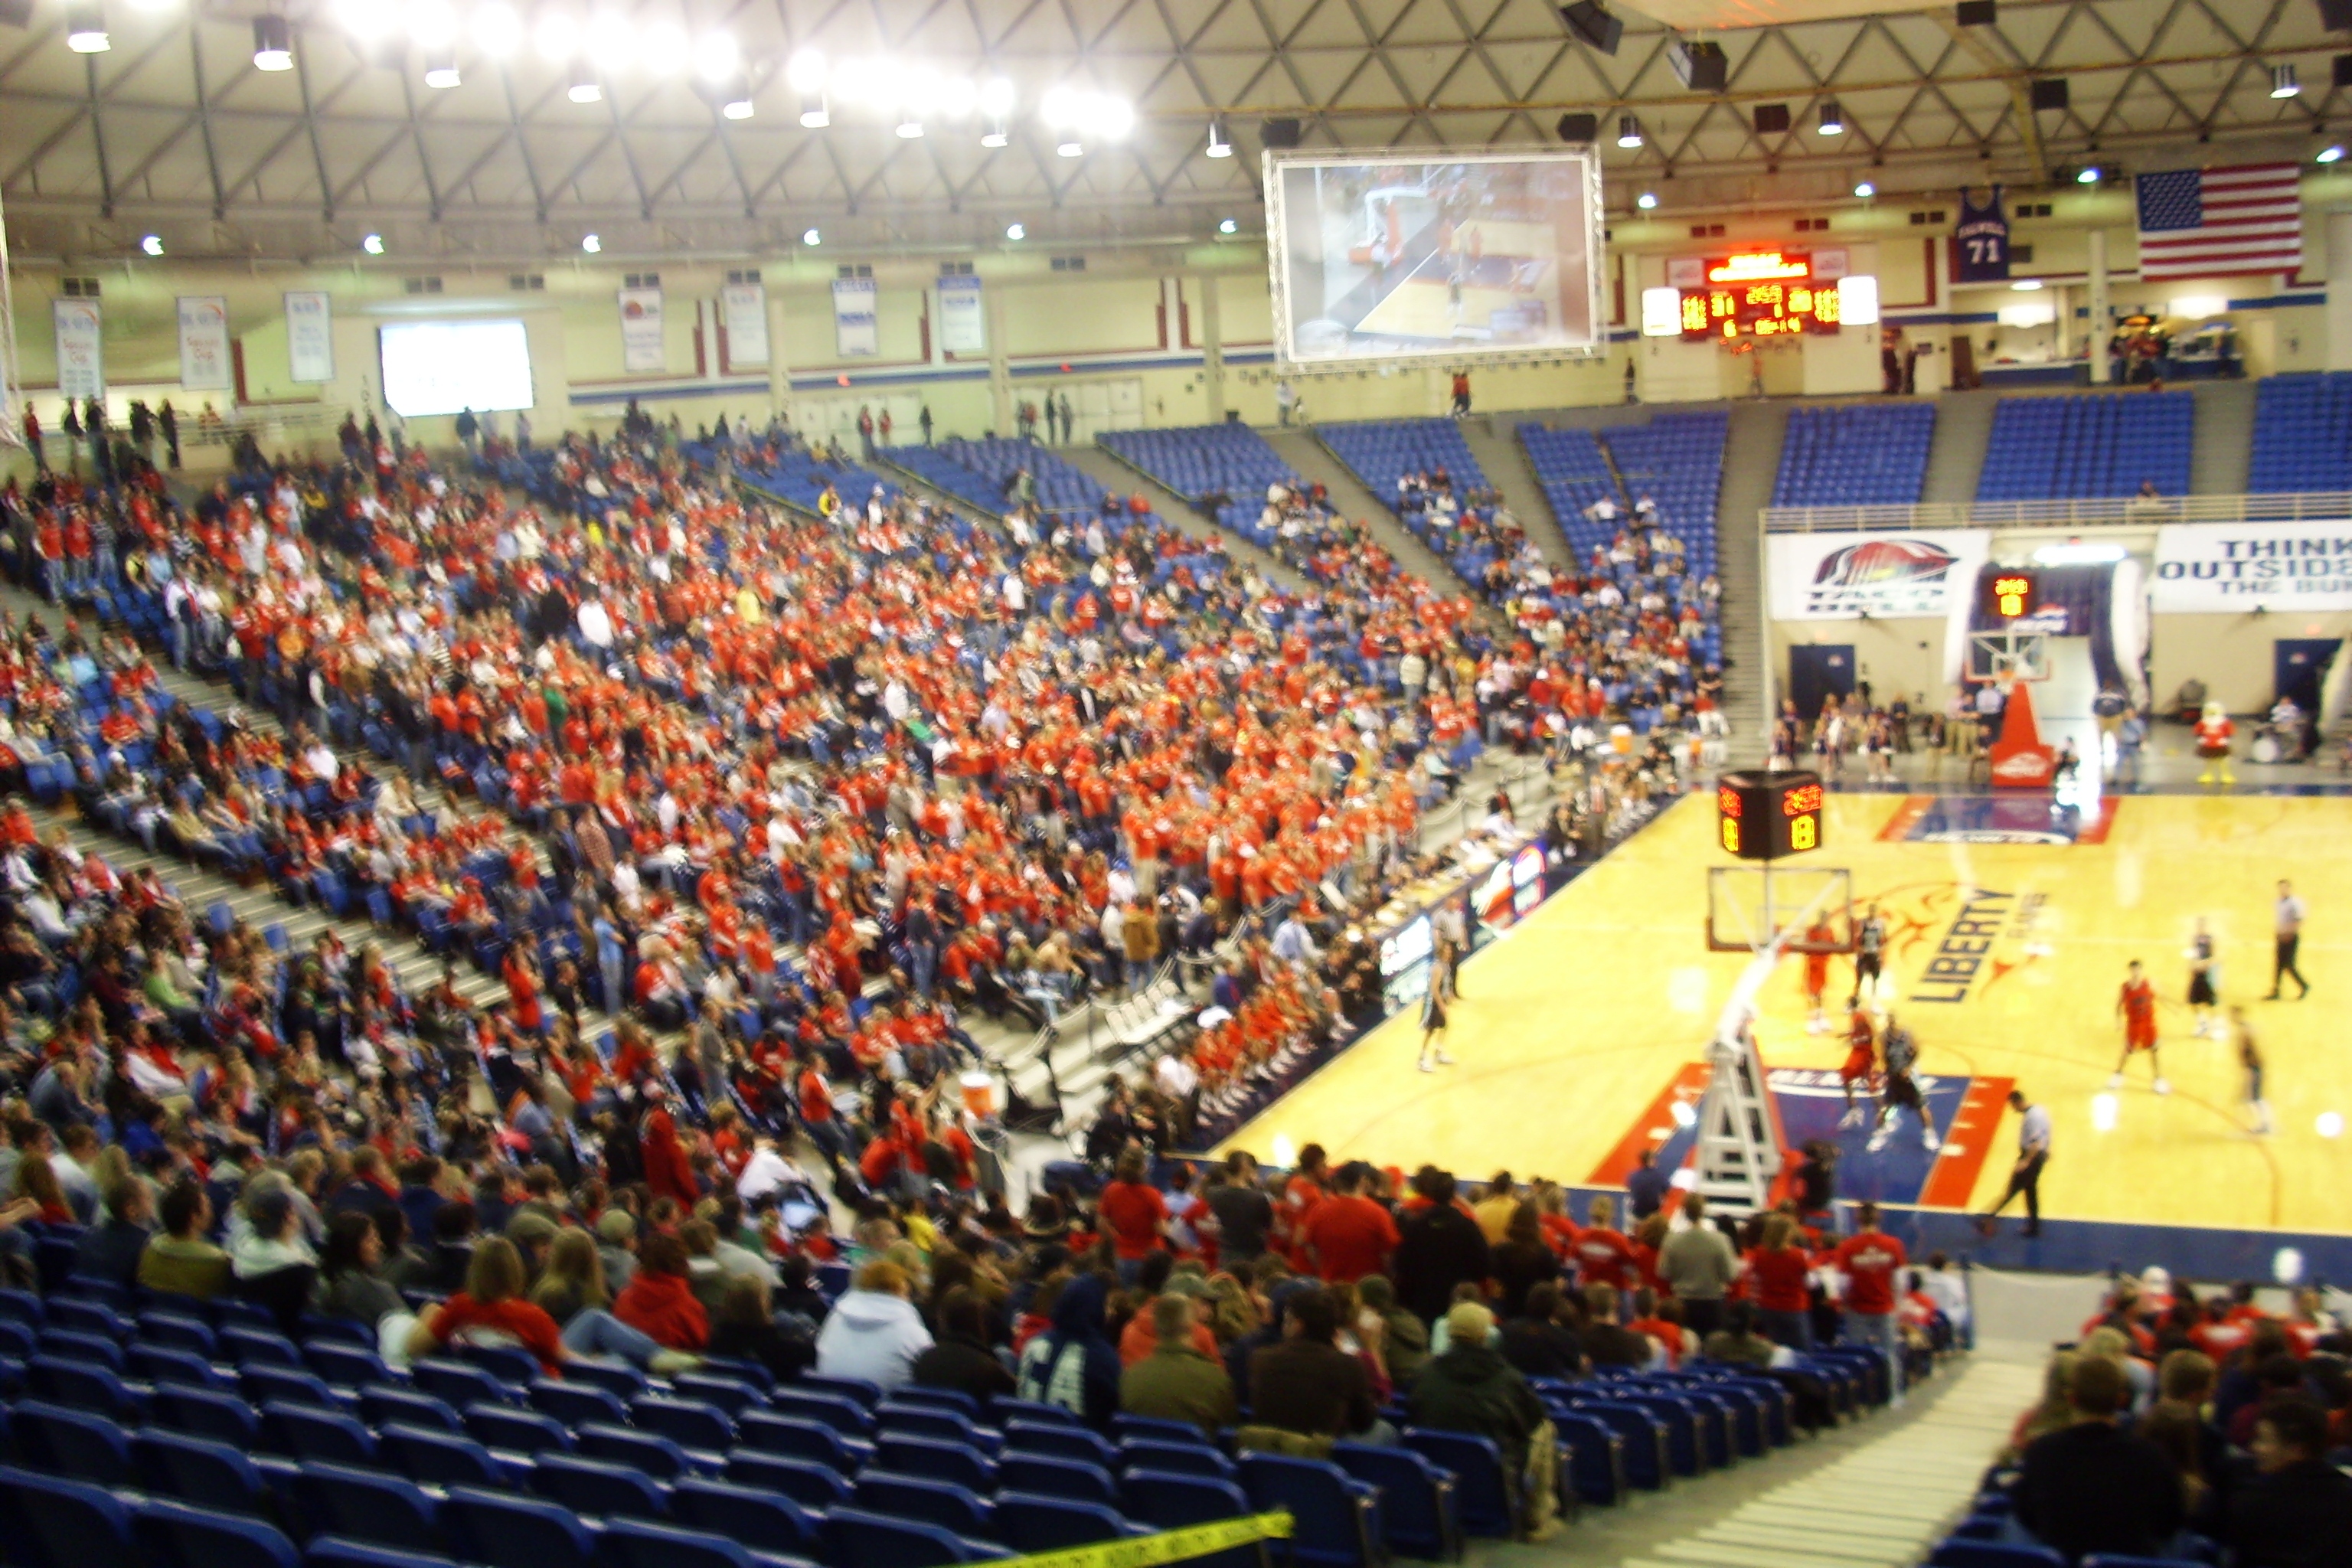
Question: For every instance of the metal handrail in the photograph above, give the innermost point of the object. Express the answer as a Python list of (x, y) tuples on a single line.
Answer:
[(2107, 511)]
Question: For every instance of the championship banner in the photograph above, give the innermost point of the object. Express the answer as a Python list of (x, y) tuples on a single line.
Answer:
[(309, 337), (82, 356), (641, 331), (856, 333), (963, 325), (203, 343), (1844, 576), (2233, 568), (743, 315)]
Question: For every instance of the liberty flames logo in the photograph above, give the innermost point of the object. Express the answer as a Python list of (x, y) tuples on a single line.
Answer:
[(1882, 577)]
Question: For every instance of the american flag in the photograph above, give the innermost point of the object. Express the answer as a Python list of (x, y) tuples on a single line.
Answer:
[(2211, 223)]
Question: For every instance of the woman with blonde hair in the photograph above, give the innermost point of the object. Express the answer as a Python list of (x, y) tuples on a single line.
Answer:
[(573, 1281), (2055, 1409), (493, 1309), (2111, 1345)]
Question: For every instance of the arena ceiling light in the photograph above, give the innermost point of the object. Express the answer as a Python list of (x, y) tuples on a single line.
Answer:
[(152, 245), (811, 236), (2087, 176), (2283, 83), (273, 44), (1832, 119), (556, 37), (372, 244), (498, 29), (1228, 225), (1629, 131), (1864, 189), (432, 27), (663, 49), (611, 41), (995, 100), (1077, 115), (2329, 153), (1219, 145), (735, 103), (86, 27), (2026, 285), (910, 127), (590, 244), (805, 73), (1015, 231), (1646, 200), (2074, 552), (717, 57), (441, 71), (585, 87)]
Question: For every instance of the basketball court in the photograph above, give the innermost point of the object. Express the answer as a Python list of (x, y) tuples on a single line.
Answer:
[(1500, 276), (1578, 1036)]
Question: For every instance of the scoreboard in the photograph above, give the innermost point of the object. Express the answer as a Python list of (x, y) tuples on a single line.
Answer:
[(1769, 815), (1761, 294)]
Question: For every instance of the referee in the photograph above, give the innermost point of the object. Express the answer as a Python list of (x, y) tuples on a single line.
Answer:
[(2289, 931), (2033, 1153)]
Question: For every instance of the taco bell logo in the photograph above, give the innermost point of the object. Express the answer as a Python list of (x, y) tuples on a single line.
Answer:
[(1882, 577)]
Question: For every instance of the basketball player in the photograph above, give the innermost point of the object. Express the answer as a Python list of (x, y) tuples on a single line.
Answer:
[(2204, 976), (2135, 1005), (1817, 977), (2213, 732), (2249, 1057), (1861, 1063), (1433, 1025), (1869, 955), (1902, 1090)]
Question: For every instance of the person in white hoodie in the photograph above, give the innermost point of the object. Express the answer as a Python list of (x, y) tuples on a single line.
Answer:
[(873, 1331)]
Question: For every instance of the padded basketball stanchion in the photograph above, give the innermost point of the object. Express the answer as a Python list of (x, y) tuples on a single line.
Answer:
[(2020, 759)]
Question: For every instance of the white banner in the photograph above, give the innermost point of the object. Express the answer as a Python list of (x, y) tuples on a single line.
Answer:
[(203, 343), (963, 325), (82, 356), (2232, 568), (641, 331), (1844, 576), (309, 337), (856, 333), (743, 313)]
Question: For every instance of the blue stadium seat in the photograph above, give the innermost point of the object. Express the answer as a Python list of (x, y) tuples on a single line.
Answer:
[(760, 1519), (368, 1505), (958, 1462), (801, 1439), (196, 1470), (943, 1503), (1165, 1500), (1482, 1490), (575, 1404), (598, 1486), (815, 1487), (686, 1423), (1029, 1522), (430, 1457), (72, 1443), (1060, 1443), (180, 1535), (518, 1431), (1057, 1478), (60, 1523), (874, 1541), (656, 1455), (505, 1530), (1335, 1519), (1185, 1458), (305, 1432)]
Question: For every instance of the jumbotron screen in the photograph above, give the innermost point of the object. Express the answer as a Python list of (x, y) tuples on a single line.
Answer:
[(1390, 257)]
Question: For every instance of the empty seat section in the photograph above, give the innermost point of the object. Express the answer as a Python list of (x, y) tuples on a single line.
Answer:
[(2094, 446), (1869, 454)]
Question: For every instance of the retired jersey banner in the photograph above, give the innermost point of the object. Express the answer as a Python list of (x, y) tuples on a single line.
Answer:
[(1844, 576), (204, 342), (81, 351), (744, 312), (641, 331), (2232, 568), (309, 337), (963, 325), (857, 329)]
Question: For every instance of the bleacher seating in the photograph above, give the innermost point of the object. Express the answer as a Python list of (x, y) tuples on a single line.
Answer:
[(389, 1466), (798, 478), (1571, 465), (1199, 460), (1676, 459), (2302, 433), (1866, 454), (1380, 452), (980, 473), (2088, 447)]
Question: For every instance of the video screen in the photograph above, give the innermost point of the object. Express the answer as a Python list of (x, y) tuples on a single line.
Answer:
[(446, 367), (1394, 257)]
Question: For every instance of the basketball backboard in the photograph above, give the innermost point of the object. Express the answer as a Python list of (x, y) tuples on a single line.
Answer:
[(2001, 658), (1748, 906)]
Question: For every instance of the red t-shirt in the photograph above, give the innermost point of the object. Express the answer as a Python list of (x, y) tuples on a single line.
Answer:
[(511, 1321), (1869, 1262), (1778, 1279), (1132, 1211), (1351, 1235), (1603, 1256)]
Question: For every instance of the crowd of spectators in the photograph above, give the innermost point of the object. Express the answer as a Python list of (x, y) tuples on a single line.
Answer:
[(2184, 1418)]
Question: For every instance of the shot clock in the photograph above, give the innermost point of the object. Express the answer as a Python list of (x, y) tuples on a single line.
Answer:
[(2010, 594), (1768, 817)]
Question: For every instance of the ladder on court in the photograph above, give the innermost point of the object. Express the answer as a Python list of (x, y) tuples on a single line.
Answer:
[(1739, 1134)]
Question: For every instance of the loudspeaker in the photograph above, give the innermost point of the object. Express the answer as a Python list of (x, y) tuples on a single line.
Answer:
[(2050, 92), (1771, 118), (1582, 129), (1276, 134), (15, 13), (1975, 13), (2335, 15), (1596, 27), (1701, 65), (2343, 64)]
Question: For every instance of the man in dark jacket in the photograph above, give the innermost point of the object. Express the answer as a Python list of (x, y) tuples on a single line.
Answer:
[(1471, 1388), (2093, 1488), (1437, 1249), (2296, 1512), (110, 1249), (1304, 1384), (959, 1359)]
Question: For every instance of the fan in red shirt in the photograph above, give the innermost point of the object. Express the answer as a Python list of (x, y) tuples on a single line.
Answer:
[(1348, 1234), (1604, 1255), (491, 1311), (1133, 1213), (1778, 1281), (1870, 1259)]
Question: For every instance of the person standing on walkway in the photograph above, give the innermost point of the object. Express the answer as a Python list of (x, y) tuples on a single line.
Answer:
[(1698, 1265), (1871, 1260), (2289, 915), (2025, 1176)]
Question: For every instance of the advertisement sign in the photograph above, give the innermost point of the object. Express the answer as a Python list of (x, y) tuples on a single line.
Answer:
[(203, 343), (1844, 576), (2233, 568), (309, 338), (81, 359), (855, 330), (964, 327), (744, 312), (641, 330)]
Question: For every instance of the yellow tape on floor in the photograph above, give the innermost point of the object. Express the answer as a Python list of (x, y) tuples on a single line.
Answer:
[(1168, 1546)]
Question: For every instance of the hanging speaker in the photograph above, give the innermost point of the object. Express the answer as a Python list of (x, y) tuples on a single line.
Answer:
[(2050, 92), (1771, 118), (1278, 134), (1580, 130), (15, 13), (1596, 27), (2343, 69), (1701, 64), (1975, 13), (2335, 15)]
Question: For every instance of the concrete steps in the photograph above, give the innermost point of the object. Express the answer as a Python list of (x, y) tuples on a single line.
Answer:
[(1118, 475), (1956, 458), (1494, 440), (1311, 460), (2224, 451), (1751, 462)]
